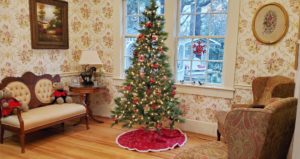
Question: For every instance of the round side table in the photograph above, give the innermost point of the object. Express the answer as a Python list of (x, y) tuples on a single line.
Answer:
[(84, 92)]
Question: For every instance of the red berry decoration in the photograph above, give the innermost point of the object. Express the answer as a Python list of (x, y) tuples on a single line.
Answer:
[(141, 37), (135, 54), (149, 25), (135, 100), (153, 106), (154, 37), (152, 80), (141, 58), (155, 66), (127, 88), (173, 93)]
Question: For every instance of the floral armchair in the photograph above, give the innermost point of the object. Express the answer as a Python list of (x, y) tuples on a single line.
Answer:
[(252, 133), (263, 88)]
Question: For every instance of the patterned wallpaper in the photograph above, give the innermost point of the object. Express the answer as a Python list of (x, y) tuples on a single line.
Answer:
[(90, 26)]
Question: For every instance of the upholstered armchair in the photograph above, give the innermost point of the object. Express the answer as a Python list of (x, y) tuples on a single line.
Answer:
[(263, 88), (252, 133)]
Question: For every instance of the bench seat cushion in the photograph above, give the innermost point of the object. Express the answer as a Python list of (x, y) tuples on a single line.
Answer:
[(45, 115)]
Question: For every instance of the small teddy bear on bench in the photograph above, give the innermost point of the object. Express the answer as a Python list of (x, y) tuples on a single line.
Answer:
[(9, 104), (60, 95)]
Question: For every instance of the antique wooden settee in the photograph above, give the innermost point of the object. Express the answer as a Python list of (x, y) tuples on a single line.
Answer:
[(36, 92)]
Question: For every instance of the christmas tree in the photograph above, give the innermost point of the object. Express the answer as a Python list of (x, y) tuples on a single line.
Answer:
[(148, 93)]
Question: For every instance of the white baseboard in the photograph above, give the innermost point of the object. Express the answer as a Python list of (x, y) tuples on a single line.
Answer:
[(200, 127)]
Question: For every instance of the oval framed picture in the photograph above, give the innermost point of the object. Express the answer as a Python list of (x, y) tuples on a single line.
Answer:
[(270, 23)]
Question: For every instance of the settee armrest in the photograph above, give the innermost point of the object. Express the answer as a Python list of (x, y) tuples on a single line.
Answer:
[(0, 113), (19, 114), (245, 131)]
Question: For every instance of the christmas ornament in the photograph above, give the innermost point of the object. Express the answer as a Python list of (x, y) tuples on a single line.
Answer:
[(148, 25), (173, 93), (141, 37), (152, 80), (155, 66), (199, 49), (154, 38), (135, 100), (127, 88), (141, 58)]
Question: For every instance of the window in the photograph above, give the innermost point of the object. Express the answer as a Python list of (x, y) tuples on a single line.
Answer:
[(215, 67), (133, 14), (200, 40)]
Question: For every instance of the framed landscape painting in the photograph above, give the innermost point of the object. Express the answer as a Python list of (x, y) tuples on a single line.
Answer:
[(49, 24)]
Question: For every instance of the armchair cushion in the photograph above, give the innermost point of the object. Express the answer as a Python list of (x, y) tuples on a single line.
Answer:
[(45, 115)]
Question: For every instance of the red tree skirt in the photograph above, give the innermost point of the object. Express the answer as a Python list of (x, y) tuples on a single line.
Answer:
[(145, 141)]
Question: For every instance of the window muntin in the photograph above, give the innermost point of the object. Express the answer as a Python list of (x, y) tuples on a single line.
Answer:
[(201, 23), (133, 14)]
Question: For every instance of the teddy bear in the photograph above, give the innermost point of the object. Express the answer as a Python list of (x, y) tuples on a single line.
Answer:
[(60, 95), (9, 103)]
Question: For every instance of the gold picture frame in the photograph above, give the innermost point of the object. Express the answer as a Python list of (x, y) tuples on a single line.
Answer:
[(270, 23), (49, 24)]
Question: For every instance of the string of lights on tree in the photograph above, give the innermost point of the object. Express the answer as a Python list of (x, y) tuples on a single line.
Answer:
[(148, 94)]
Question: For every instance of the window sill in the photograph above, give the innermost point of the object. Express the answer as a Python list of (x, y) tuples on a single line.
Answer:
[(205, 90), (210, 91)]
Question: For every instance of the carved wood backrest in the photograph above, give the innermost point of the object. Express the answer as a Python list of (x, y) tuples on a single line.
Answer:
[(30, 88)]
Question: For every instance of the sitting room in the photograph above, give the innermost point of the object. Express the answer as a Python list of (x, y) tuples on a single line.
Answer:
[(151, 79)]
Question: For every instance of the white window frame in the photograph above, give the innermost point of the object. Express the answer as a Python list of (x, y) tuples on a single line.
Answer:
[(193, 38), (226, 90)]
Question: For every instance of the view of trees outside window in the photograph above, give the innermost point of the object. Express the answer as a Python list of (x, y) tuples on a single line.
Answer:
[(133, 16), (202, 28), (200, 38)]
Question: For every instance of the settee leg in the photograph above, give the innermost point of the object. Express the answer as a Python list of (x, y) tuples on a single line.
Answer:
[(87, 122), (2, 135), (22, 142), (218, 135)]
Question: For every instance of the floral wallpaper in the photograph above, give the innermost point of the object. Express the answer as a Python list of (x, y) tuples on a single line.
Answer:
[(90, 27)]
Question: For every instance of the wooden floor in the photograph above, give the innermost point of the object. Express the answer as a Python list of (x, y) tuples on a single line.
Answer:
[(75, 142)]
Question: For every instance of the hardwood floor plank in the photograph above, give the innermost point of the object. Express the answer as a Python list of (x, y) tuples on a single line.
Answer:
[(75, 142)]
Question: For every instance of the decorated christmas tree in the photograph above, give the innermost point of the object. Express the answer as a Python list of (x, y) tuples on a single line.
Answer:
[(148, 94)]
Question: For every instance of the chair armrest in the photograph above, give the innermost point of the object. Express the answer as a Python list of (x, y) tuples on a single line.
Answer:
[(246, 130), (234, 106)]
